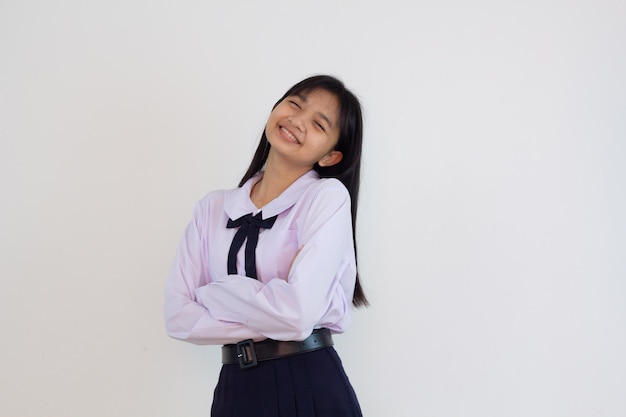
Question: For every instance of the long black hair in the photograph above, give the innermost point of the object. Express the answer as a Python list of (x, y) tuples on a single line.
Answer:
[(350, 144)]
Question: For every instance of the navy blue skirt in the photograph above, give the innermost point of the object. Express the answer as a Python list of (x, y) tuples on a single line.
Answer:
[(312, 384)]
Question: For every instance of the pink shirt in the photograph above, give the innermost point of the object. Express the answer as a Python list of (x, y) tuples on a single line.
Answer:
[(293, 294)]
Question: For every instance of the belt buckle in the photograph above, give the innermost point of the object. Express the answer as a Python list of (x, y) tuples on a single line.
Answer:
[(246, 354)]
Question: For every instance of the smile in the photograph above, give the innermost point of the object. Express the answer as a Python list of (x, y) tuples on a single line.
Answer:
[(289, 135)]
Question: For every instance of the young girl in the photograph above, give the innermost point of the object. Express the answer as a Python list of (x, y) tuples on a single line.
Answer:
[(269, 269)]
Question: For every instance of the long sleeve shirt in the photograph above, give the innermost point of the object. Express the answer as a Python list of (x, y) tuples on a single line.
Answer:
[(305, 264)]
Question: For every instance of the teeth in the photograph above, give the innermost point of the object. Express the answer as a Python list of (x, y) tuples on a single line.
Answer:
[(292, 137)]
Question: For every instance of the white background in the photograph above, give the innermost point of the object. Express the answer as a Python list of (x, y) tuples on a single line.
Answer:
[(492, 232)]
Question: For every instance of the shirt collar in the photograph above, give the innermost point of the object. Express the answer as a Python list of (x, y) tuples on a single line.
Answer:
[(237, 201)]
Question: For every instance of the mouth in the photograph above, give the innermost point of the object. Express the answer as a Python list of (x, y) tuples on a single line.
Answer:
[(289, 135)]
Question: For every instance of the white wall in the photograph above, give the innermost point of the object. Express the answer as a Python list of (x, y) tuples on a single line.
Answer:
[(492, 229)]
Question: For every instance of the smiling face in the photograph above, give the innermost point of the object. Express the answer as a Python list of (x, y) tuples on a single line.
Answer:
[(304, 129)]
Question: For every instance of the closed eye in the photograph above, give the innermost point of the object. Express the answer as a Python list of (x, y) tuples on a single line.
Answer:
[(318, 124), (295, 104)]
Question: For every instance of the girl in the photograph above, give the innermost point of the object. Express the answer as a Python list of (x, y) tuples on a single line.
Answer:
[(269, 269)]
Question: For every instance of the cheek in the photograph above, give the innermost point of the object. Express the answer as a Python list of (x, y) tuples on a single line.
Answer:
[(322, 144), (272, 121), (276, 114), (331, 142)]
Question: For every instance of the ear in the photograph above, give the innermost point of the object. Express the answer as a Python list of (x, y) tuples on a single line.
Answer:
[(331, 158)]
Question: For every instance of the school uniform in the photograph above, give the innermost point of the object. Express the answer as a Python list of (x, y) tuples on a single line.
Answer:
[(236, 277)]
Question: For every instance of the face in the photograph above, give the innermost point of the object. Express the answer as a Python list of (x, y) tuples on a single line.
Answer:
[(304, 129)]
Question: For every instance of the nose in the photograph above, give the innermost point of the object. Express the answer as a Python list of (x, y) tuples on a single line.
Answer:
[(297, 122)]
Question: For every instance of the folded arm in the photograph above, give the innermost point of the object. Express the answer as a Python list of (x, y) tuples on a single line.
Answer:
[(185, 319), (317, 291)]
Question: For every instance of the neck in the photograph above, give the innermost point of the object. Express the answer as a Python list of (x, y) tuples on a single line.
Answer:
[(276, 179)]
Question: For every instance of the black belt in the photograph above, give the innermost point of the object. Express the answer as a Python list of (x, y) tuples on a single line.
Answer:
[(248, 353)]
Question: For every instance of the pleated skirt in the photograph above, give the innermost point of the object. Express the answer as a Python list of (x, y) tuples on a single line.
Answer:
[(312, 384)]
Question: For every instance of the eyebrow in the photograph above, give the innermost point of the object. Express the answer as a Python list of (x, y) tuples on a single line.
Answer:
[(303, 97)]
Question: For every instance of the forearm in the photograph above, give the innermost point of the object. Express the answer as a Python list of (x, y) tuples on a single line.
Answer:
[(191, 322), (279, 310)]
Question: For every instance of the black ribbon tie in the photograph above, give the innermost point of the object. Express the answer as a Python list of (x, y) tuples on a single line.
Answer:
[(249, 228)]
